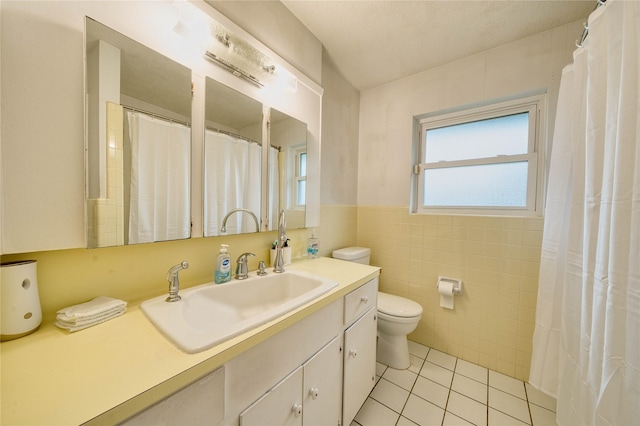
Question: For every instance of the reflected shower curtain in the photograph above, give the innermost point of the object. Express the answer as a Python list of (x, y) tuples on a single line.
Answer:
[(586, 344), (160, 175), (232, 176)]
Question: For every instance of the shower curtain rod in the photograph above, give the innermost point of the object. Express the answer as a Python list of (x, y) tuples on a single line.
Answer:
[(161, 117), (585, 32), (235, 135)]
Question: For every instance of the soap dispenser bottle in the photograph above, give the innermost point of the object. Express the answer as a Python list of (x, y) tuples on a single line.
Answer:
[(223, 266), (314, 246)]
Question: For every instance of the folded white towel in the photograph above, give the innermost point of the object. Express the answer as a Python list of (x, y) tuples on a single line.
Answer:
[(84, 315), (91, 319), (97, 306), (76, 327)]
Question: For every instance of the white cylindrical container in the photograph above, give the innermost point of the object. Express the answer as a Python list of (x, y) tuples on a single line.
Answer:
[(20, 302)]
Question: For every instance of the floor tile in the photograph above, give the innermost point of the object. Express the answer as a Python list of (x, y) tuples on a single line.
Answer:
[(431, 391), (403, 378), (539, 398), (436, 373), (406, 422), (391, 395), (451, 419), (542, 416), (418, 350), (422, 412), (438, 389), (416, 364), (373, 413), (507, 384), (467, 408), (509, 404), (497, 418), (443, 360), (469, 387), (472, 371)]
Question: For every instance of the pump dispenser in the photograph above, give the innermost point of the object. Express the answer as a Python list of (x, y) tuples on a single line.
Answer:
[(314, 246), (223, 266)]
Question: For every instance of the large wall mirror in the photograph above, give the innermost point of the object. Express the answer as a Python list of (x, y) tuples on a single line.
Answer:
[(233, 187), (138, 142), (288, 168)]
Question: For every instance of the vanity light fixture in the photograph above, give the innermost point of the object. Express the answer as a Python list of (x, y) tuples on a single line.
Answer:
[(239, 57)]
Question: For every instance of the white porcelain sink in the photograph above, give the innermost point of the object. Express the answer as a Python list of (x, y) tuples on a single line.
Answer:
[(210, 313)]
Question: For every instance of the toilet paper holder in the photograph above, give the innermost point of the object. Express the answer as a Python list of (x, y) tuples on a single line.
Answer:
[(455, 283)]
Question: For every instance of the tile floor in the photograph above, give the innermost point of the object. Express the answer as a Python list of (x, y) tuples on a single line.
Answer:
[(439, 389)]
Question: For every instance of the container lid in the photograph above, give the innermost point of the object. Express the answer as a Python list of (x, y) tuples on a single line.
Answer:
[(351, 253), (398, 306)]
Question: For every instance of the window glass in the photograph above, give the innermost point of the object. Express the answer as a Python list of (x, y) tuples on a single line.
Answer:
[(302, 191), (506, 135), (488, 185)]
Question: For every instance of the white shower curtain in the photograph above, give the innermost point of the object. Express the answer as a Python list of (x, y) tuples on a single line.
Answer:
[(160, 174), (232, 179), (586, 344)]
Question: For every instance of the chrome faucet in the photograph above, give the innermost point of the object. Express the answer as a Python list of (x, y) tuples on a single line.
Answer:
[(242, 270), (282, 239), (174, 283), (223, 228)]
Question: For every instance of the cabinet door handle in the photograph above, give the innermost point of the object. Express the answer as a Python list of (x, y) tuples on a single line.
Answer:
[(353, 353), (314, 392), (364, 299), (297, 410)]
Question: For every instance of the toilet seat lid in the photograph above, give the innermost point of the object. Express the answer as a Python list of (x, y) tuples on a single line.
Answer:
[(398, 306)]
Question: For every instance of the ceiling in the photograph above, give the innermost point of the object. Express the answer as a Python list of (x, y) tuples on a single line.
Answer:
[(372, 42)]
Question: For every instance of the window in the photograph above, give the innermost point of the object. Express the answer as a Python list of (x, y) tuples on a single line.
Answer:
[(300, 185), (484, 160)]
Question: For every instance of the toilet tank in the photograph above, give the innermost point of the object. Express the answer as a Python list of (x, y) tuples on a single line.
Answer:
[(353, 254)]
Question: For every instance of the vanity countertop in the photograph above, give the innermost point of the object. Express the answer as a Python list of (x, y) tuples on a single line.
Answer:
[(106, 373)]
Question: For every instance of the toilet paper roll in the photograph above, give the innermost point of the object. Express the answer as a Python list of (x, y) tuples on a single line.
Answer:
[(445, 288)]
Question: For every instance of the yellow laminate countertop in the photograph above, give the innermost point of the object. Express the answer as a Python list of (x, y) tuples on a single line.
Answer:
[(106, 373)]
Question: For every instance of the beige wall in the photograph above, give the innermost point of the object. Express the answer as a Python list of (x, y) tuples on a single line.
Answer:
[(497, 259), (340, 115)]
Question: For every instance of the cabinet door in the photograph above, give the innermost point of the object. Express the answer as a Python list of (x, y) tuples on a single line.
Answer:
[(200, 403), (322, 389), (282, 405), (359, 364)]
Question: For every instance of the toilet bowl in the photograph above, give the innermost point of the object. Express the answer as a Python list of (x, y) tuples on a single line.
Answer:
[(397, 317)]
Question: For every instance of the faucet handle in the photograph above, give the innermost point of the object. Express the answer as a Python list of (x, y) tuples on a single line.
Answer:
[(242, 270), (243, 257), (261, 268)]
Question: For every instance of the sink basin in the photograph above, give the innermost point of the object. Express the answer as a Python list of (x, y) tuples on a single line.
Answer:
[(210, 313)]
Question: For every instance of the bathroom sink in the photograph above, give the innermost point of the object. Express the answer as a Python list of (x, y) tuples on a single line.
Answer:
[(210, 313)]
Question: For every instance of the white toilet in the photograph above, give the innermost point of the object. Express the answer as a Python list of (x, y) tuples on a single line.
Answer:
[(397, 317)]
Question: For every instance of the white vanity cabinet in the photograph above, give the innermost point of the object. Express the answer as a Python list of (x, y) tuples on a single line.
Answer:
[(316, 372), (359, 348), (309, 396)]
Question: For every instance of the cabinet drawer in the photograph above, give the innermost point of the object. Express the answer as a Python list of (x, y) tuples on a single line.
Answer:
[(359, 300)]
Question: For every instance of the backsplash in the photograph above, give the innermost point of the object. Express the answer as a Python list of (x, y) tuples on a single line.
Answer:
[(497, 258)]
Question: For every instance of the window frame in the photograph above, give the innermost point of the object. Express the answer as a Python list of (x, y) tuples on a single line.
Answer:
[(534, 106), (295, 177)]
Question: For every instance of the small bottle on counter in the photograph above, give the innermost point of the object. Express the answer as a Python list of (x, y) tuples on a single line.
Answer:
[(223, 266), (314, 246)]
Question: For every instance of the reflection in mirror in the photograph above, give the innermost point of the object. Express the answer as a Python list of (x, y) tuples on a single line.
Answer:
[(138, 142), (232, 161), (288, 157)]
